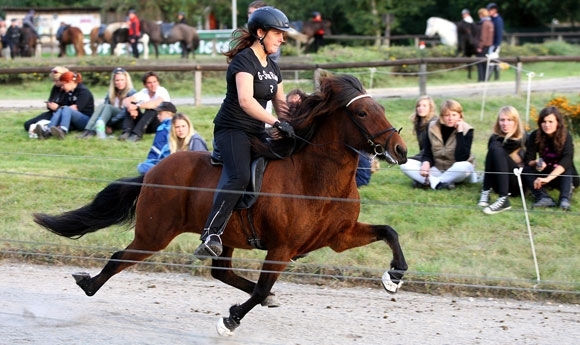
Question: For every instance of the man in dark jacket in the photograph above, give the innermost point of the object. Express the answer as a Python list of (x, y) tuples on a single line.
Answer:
[(497, 21)]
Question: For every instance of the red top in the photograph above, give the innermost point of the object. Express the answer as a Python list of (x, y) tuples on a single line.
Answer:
[(134, 26)]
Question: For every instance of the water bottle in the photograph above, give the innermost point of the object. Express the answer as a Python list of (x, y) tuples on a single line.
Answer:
[(101, 134)]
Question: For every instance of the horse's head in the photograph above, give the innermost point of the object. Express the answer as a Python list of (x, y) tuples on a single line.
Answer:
[(378, 136), (343, 105), (431, 29)]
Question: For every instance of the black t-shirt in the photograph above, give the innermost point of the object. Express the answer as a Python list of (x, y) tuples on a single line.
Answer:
[(266, 80)]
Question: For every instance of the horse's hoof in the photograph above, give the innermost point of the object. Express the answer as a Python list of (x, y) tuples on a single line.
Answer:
[(81, 276), (389, 285), (223, 329), (271, 302)]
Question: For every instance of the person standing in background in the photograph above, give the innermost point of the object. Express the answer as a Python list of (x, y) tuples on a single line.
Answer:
[(497, 21), (318, 34), (484, 42), (134, 32), (466, 16)]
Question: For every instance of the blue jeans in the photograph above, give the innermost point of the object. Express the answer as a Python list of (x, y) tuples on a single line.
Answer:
[(68, 119), (108, 113)]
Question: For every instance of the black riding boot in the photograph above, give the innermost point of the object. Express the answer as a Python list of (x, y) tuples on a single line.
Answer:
[(211, 242)]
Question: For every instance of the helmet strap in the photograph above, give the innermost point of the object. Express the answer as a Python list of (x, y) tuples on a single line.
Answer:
[(262, 43)]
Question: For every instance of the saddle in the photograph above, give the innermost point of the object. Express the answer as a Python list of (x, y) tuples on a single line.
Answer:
[(256, 177), (101, 32), (166, 30)]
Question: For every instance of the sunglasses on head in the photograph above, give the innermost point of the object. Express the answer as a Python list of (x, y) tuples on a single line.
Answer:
[(119, 70)]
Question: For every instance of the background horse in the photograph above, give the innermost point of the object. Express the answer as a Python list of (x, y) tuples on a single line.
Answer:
[(28, 42), (121, 35), (446, 30), (467, 39), (72, 35), (331, 125), (309, 28), (113, 34), (183, 33)]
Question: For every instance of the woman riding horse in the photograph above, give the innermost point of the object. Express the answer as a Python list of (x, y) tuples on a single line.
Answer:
[(306, 202)]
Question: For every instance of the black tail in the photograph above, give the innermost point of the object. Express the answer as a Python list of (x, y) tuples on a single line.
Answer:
[(113, 205)]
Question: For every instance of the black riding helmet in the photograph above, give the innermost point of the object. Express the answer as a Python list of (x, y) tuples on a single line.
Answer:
[(267, 18)]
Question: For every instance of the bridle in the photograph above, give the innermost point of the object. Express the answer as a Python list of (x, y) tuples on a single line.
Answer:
[(378, 149)]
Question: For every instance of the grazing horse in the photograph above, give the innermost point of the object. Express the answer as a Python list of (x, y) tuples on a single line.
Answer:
[(446, 30), (113, 34), (307, 201), (467, 39), (183, 33), (121, 35), (72, 35), (309, 28)]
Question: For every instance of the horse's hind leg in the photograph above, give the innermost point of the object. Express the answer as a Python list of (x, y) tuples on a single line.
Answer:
[(273, 265), (136, 252), (222, 271), (363, 234)]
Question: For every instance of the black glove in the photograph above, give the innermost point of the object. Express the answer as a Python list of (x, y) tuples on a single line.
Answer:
[(285, 128)]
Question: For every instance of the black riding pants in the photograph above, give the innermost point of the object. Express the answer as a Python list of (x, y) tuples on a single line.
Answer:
[(236, 151)]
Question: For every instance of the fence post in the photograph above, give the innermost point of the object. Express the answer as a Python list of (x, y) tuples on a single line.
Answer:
[(197, 88), (422, 79), (317, 78), (518, 76)]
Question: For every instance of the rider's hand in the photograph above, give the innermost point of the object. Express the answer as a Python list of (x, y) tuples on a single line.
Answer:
[(285, 128)]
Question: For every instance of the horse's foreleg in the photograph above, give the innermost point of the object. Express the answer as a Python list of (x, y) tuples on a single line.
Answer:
[(273, 265), (363, 234)]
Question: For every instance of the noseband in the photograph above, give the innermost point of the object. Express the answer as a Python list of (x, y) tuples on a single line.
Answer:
[(379, 149)]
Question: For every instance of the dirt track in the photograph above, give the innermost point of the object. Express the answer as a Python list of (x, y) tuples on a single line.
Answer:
[(42, 305)]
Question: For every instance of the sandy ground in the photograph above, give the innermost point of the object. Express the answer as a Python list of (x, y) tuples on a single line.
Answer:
[(43, 305)]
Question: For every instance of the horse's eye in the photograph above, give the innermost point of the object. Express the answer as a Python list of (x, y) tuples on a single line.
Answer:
[(362, 114)]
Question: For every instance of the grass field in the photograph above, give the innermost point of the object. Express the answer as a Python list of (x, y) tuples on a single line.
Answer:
[(449, 243)]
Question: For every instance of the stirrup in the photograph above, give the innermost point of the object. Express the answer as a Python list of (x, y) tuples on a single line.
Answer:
[(210, 248)]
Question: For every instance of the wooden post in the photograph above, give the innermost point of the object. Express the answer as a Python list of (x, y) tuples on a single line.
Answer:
[(518, 77), (317, 78), (423, 79), (197, 90)]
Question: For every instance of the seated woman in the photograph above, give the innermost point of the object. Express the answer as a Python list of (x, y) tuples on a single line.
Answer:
[(111, 111), (183, 136), (505, 151), (423, 115), (75, 115), (56, 99), (549, 160), (446, 158)]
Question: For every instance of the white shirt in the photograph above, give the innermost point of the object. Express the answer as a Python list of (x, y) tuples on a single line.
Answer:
[(143, 95)]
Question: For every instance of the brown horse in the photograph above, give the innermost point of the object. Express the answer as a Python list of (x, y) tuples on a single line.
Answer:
[(307, 202), (186, 35), (72, 35), (309, 28), (28, 42)]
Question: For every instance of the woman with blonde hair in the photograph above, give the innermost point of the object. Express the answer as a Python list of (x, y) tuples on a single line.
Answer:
[(183, 136), (424, 114), (446, 158), (112, 110), (505, 151)]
